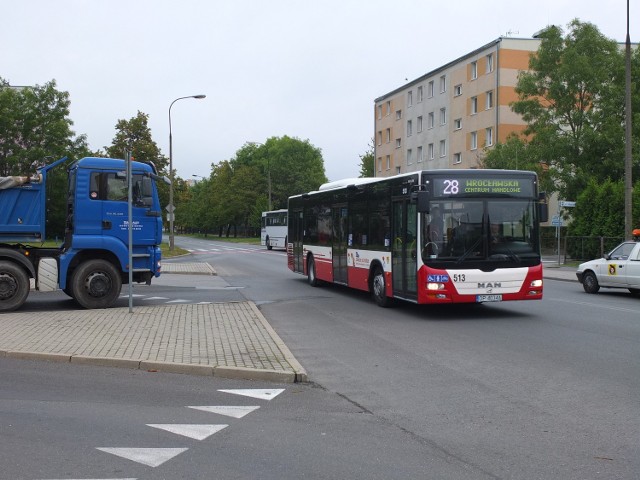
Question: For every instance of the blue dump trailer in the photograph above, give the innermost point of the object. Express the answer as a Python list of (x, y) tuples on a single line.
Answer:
[(93, 262)]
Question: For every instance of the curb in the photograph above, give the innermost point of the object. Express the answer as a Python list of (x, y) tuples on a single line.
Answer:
[(239, 373)]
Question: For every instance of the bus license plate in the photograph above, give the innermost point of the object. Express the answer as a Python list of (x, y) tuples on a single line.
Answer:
[(488, 298)]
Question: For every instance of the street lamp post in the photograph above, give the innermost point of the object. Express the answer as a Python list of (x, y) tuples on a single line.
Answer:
[(171, 207)]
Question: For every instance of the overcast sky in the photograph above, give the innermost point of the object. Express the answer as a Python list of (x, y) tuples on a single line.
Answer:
[(308, 69)]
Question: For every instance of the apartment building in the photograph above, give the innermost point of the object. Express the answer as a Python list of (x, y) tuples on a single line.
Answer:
[(449, 116)]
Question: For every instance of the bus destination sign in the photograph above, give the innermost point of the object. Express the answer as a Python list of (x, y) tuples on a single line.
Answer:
[(481, 185)]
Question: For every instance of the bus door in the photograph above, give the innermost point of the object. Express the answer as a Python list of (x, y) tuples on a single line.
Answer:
[(404, 249), (296, 238), (339, 249)]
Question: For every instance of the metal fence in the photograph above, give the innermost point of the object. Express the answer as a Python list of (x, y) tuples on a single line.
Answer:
[(578, 248)]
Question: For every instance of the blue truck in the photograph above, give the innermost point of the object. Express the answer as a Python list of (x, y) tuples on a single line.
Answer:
[(92, 263)]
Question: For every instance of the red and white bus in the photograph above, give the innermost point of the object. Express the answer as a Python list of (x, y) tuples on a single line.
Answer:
[(439, 236)]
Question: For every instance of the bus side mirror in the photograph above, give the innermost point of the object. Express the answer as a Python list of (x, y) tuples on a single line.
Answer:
[(422, 200), (543, 207)]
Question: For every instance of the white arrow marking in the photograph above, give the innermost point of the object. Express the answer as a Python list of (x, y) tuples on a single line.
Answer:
[(151, 457), (199, 432), (263, 394), (235, 412)]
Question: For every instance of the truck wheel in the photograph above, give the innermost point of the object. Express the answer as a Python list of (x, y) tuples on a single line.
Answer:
[(590, 282), (14, 286), (96, 284), (378, 290)]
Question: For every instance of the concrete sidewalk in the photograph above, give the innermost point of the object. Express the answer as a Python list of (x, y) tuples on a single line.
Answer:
[(230, 340)]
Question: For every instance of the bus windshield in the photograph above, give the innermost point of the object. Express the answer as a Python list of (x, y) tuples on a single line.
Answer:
[(480, 231)]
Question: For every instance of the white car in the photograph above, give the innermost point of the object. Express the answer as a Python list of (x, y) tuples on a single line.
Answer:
[(620, 268)]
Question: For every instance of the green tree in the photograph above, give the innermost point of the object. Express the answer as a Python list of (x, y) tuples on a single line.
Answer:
[(135, 135), (572, 101), (293, 165), (518, 154), (35, 128), (367, 162)]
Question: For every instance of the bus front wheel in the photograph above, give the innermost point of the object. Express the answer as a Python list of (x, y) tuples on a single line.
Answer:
[(378, 289)]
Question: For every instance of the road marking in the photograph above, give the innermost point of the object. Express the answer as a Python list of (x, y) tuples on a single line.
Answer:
[(156, 298), (151, 457), (235, 412), (199, 432), (179, 300), (263, 394), (89, 479)]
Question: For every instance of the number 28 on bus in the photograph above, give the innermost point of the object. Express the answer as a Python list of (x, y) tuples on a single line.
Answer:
[(443, 236)]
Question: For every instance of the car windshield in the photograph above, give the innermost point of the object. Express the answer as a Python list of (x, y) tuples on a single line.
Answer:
[(622, 251)]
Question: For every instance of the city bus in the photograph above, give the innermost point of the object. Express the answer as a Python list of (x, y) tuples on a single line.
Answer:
[(273, 229), (428, 237)]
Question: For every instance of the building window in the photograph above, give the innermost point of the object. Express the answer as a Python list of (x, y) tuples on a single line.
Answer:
[(457, 124), (379, 112), (457, 158), (419, 124), (380, 137), (490, 63), (409, 157), (443, 116), (430, 89), (489, 99), (474, 70), (398, 171), (398, 143), (474, 140), (388, 162), (431, 152), (388, 112), (443, 83), (388, 135), (443, 148), (489, 137), (474, 105), (430, 120), (379, 164), (398, 114), (409, 128), (420, 94), (420, 155), (410, 98), (457, 90)]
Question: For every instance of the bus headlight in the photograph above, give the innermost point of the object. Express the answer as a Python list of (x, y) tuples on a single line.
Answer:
[(536, 283), (435, 286)]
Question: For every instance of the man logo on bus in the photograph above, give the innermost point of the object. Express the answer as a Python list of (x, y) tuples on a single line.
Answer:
[(489, 285)]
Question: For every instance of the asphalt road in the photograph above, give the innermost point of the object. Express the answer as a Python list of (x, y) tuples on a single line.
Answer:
[(518, 390), (545, 389)]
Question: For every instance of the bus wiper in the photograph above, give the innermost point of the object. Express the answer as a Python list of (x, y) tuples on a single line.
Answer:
[(469, 250)]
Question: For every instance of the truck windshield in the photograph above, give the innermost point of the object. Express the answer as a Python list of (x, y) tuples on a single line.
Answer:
[(480, 231)]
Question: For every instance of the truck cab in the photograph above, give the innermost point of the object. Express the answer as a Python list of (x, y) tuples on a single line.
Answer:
[(93, 262)]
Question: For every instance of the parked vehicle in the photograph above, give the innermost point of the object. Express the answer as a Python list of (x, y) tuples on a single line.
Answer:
[(620, 268), (93, 262)]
